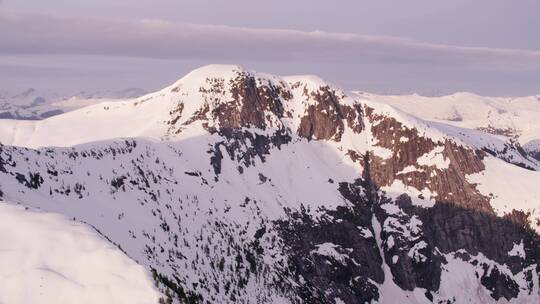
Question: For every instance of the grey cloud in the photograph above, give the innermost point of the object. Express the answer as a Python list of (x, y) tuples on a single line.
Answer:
[(40, 34)]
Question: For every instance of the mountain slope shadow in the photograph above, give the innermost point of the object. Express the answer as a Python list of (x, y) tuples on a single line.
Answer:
[(334, 252), (238, 235)]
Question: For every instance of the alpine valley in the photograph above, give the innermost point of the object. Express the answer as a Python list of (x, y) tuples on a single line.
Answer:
[(232, 186)]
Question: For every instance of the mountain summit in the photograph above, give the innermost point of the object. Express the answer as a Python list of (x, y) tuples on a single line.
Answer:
[(232, 186)]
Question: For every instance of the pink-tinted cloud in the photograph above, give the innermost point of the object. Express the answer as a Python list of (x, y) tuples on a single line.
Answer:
[(41, 34)]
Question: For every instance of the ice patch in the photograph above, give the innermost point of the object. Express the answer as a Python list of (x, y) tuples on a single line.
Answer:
[(434, 158), (381, 152), (329, 250), (366, 233), (517, 250), (415, 254), (409, 169)]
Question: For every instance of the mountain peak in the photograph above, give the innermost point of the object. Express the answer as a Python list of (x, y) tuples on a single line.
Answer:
[(225, 96), (26, 93), (199, 75), (313, 81)]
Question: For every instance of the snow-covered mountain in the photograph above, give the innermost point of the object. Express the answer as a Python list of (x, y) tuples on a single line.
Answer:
[(232, 186), (516, 118)]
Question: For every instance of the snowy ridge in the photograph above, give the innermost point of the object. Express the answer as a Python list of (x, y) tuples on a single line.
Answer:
[(48, 259), (511, 116), (34, 104)]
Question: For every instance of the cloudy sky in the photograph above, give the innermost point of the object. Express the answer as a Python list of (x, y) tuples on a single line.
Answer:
[(489, 47)]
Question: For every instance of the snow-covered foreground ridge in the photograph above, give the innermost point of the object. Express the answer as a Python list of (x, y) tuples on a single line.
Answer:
[(234, 186), (45, 258)]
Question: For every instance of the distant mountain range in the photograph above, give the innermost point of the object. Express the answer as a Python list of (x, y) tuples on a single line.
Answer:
[(32, 104)]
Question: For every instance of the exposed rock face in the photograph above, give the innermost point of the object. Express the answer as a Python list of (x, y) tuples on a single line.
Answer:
[(416, 243), (447, 178), (533, 149), (535, 155), (337, 255), (231, 107), (253, 104), (509, 132), (451, 229), (324, 120), (412, 257), (244, 146), (240, 102)]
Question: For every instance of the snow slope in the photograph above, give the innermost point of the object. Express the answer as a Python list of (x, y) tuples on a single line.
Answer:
[(45, 258), (511, 187), (102, 121)]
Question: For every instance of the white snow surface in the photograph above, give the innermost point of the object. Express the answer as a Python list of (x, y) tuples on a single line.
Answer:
[(517, 250), (329, 249), (434, 158), (47, 259), (510, 187), (457, 282)]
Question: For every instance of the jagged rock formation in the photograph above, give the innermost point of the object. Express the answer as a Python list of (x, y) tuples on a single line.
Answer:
[(447, 178), (532, 148), (263, 189)]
